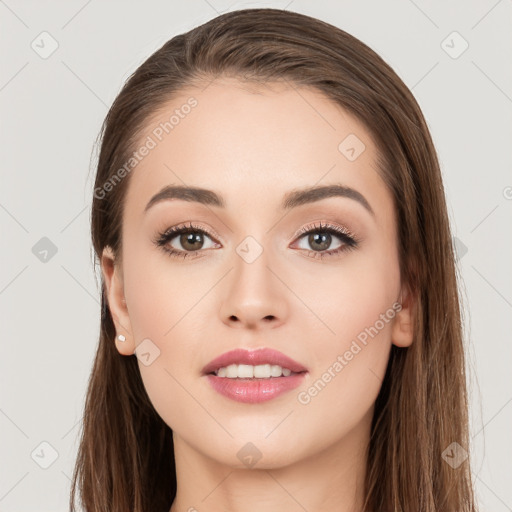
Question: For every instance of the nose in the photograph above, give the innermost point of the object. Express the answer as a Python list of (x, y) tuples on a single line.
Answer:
[(255, 297)]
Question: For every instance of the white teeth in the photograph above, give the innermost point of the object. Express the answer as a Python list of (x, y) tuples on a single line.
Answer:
[(232, 371), (247, 371), (262, 371), (276, 370)]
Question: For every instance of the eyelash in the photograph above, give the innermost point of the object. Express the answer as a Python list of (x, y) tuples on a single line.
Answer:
[(349, 240)]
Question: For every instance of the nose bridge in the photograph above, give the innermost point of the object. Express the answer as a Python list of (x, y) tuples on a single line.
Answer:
[(254, 294)]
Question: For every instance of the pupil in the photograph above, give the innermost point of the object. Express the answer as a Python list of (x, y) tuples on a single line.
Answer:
[(191, 241), (323, 238)]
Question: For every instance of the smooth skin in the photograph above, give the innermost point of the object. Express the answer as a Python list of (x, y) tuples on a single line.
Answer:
[(252, 145)]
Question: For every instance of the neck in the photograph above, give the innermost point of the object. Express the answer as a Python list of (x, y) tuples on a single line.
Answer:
[(330, 479)]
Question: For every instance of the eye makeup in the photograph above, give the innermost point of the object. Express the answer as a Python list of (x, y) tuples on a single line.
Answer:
[(193, 234)]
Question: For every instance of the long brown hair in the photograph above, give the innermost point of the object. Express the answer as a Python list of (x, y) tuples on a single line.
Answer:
[(125, 459)]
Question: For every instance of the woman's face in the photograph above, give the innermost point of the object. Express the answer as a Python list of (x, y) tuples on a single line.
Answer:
[(245, 276)]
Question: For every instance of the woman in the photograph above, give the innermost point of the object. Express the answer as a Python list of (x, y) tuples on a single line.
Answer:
[(280, 320)]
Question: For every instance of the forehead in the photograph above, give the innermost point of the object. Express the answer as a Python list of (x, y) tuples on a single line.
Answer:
[(253, 143)]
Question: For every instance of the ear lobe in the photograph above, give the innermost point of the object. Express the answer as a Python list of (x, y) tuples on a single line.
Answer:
[(114, 292), (402, 331)]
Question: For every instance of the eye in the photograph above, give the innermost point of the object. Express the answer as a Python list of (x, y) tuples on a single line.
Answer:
[(320, 238), (190, 237)]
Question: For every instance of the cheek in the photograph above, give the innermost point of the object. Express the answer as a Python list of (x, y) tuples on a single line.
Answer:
[(159, 309), (165, 303), (344, 299), (158, 293), (349, 371), (352, 351)]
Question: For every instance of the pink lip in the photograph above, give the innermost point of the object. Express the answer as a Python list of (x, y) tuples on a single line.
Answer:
[(253, 357), (254, 390)]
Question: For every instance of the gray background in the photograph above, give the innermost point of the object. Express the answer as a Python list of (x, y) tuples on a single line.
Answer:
[(51, 112)]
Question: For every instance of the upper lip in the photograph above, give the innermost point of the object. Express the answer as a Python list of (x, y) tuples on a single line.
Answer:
[(253, 357)]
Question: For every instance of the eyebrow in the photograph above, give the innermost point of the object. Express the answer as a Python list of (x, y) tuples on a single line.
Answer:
[(292, 199)]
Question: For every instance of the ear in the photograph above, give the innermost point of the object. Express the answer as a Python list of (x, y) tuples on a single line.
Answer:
[(114, 290), (403, 326)]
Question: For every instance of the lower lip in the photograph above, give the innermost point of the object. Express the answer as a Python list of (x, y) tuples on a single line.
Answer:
[(254, 391)]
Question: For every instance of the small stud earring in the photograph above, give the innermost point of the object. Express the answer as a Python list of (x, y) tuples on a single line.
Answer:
[(121, 338)]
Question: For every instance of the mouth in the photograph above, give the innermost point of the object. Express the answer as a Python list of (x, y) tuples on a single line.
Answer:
[(254, 376)]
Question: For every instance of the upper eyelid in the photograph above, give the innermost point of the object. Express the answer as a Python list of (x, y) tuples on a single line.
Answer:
[(338, 230)]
